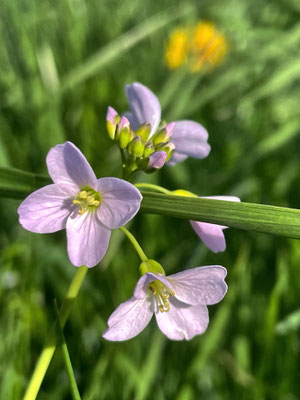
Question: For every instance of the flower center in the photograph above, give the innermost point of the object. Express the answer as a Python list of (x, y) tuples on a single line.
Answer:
[(162, 294), (87, 199)]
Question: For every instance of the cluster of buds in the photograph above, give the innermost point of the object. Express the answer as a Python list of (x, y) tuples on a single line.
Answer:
[(142, 150)]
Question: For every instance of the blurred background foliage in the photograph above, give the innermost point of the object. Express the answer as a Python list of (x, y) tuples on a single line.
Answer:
[(62, 63)]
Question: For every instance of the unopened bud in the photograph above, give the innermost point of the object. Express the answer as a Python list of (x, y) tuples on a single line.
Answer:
[(144, 131), (151, 266), (149, 149), (112, 118), (123, 135), (156, 160), (164, 135), (167, 147), (136, 147), (182, 192)]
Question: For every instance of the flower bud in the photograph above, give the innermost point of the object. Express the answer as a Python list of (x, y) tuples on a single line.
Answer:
[(164, 135), (182, 192), (144, 131), (149, 149), (136, 147), (167, 147), (151, 266), (156, 161), (112, 118), (123, 135)]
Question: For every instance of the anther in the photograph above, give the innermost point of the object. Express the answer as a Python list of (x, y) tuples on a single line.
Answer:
[(87, 199), (162, 294)]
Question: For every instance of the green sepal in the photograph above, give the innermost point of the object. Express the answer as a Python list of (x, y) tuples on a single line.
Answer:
[(160, 137), (111, 129), (166, 147), (151, 266), (149, 149), (124, 137), (136, 147), (144, 131)]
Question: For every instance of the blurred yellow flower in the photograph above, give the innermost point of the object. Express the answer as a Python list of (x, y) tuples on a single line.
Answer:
[(208, 46), (177, 48), (202, 46)]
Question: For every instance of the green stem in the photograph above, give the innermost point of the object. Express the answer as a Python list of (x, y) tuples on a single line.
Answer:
[(50, 345), (123, 163), (152, 186), (67, 359), (135, 244)]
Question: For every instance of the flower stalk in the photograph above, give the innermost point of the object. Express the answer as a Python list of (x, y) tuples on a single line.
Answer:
[(66, 356), (50, 345), (135, 244), (157, 188)]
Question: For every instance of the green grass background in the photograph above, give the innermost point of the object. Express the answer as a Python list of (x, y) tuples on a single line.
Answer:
[(61, 64)]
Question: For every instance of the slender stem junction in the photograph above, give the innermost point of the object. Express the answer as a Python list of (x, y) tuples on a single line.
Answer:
[(135, 244), (157, 188)]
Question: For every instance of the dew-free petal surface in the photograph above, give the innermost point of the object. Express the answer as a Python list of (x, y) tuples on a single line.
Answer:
[(66, 164), (182, 321), (201, 285), (47, 209), (120, 202), (176, 158), (129, 319), (211, 234), (87, 239), (144, 106), (190, 139)]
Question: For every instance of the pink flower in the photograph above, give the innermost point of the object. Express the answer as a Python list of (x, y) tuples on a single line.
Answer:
[(211, 234), (157, 160), (178, 302), (189, 137), (87, 207)]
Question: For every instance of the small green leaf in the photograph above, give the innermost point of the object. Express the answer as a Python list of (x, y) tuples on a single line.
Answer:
[(254, 217), (17, 184), (282, 221)]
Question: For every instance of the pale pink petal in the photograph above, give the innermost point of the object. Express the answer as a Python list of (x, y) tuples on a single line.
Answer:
[(190, 139), (124, 123), (140, 290), (182, 321), (120, 202), (201, 285), (111, 115), (225, 198), (46, 210), (129, 319), (212, 235), (176, 158), (157, 160), (170, 128), (87, 239), (144, 106), (66, 164)]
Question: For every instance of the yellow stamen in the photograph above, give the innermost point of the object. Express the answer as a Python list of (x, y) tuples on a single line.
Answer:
[(177, 48), (162, 294), (87, 199)]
